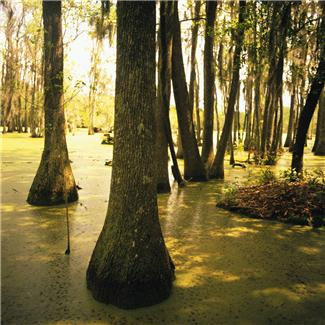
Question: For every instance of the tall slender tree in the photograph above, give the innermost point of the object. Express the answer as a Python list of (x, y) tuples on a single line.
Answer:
[(164, 132), (161, 147), (320, 132), (130, 266), (54, 182), (308, 110), (193, 166), (195, 32), (217, 168), (209, 78)]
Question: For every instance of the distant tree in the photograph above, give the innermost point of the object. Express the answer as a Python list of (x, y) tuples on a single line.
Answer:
[(54, 180), (217, 168), (209, 78), (102, 27), (195, 32), (193, 166), (163, 127), (288, 140), (320, 132), (308, 110), (130, 266), (8, 69)]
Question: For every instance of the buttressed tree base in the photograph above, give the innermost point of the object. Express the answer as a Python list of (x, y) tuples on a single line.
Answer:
[(130, 266), (54, 182)]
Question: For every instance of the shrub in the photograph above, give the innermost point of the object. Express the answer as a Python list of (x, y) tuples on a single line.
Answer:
[(290, 175), (230, 193), (266, 176)]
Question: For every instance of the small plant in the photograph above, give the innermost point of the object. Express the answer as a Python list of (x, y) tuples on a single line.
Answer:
[(266, 176), (315, 179), (290, 175), (271, 159), (250, 177), (230, 193), (320, 174)]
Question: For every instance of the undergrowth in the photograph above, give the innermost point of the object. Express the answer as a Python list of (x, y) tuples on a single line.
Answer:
[(292, 198)]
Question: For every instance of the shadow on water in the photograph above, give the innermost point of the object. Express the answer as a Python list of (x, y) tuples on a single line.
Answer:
[(229, 269)]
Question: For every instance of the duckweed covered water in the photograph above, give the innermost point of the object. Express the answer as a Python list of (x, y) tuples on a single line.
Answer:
[(229, 269)]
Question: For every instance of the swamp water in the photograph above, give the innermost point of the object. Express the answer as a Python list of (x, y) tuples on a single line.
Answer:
[(229, 269)]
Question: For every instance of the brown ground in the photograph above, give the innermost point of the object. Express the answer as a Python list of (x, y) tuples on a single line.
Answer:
[(292, 202)]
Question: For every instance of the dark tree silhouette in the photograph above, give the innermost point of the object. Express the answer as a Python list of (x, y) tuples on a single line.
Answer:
[(320, 136), (193, 167), (209, 77), (311, 102)]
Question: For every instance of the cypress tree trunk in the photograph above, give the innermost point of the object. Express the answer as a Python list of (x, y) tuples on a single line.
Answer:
[(130, 266), (269, 98), (248, 88), (161, 146), (257, 93), (54, 178), (291, 117), (180, 151), (320, 145), (25, 108), (311, 103), (33, 108), (195, 31), (162, 118), (319, 117), (278, 87), (94, 78), (8, 87), (217, 118), (197, 109), (209, 76), (193, 167), (249, 109), (217, 168)]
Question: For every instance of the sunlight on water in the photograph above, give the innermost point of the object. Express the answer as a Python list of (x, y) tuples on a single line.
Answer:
[(228, 267)]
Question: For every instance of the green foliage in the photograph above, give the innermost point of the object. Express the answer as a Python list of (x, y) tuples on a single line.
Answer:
[(267, 176), (271, 159), (314, 179), (290, 175), (230, 193)]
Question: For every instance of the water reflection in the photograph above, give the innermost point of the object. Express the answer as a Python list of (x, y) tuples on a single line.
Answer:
[(229, 269)]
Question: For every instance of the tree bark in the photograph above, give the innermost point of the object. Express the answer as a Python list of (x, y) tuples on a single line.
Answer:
[(257, 90), (249, 109), (94, 77), (54, 182), (288, 141), (130, 266), (193, 167), (209, 78), (311, 103), (163, 129), (197, 109), (166, 39), (217, 168), (268, 107), (161, 146), (195, 31), (320, 146), (9, 79)]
